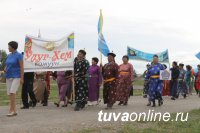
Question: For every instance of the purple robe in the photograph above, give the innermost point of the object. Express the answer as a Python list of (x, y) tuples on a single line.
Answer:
[(63, 84), (95, 79)]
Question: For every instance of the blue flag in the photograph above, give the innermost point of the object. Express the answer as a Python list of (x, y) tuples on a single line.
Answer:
[(140, 55), (102, 46), (198, 55)]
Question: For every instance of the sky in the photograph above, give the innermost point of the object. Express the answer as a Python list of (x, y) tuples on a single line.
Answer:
[(148, 25)]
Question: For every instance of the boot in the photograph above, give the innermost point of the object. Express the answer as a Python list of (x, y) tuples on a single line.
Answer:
[(77, 107), (125, 103), (120, 103), (154, 104), (184, 95), (160, 102), (109, 106)]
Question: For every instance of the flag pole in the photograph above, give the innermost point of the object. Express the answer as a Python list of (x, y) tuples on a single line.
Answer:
[(168, 58), (101, 39)]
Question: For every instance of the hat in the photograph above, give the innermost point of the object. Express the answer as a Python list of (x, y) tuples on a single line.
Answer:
[(148, 64), (181, 64), (155, 56), (112, 54)]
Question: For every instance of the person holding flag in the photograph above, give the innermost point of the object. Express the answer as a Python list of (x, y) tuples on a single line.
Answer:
[(110, 76)]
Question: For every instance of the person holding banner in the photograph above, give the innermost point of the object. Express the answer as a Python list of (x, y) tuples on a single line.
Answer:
[(64, 79), (40, 88), (14, 75), (182, 88), (81, 66), (197, 80), (155, 84), (174, 81), (110, 76), (94, 83), (125, 81)]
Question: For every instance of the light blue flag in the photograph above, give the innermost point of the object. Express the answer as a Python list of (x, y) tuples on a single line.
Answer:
[(198, 55), (135, 54), (102, 46)]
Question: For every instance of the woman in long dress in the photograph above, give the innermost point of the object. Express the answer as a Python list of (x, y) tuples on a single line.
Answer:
[(40, 87), (64, 81), (125, 81), (94, 83), (197, 80)]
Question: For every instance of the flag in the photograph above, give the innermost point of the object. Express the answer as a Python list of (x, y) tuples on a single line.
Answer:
[(140, 55), (102, 45), (198, 55), (71, 41)]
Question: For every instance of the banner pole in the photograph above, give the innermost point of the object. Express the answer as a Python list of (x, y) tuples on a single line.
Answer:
[(168, 59)]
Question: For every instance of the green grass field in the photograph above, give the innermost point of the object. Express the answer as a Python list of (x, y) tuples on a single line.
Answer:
[(53, 93), (191, 126)]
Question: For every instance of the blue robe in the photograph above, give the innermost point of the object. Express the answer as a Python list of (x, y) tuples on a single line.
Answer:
[(155, 84)]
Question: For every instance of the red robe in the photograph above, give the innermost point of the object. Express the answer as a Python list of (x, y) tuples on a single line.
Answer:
[(165, 88)]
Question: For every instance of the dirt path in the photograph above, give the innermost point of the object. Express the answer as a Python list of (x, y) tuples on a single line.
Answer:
[(60, 120)]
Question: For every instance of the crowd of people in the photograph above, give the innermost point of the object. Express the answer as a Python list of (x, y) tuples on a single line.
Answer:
[(182, 82), (87, 79)]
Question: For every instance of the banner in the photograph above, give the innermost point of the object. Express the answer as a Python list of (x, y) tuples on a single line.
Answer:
[(165, 75), (135, 54), (48, 55), (198, 55)]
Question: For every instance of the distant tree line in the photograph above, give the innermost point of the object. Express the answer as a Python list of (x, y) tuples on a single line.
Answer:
[(3, 56)]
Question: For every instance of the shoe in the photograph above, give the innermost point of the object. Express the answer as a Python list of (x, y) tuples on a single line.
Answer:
[(184, 95), (56, 104), (64, 105), (77, 107), (70, 102), (125, 103), (34, 104), (120, 103), (45, 104), (109, 106), (24, 107), (30, 103), (149, 104), (172, 98), (145, 96), (160, 102), (90, 104), (11, 114), (154, 104), (82, 105)]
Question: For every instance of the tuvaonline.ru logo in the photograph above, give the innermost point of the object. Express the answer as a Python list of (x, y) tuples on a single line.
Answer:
[(151, 115)]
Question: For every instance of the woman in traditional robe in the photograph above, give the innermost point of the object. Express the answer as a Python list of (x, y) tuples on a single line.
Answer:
[(64, 79), (94, 83), (125, 81), (197, 80), (40, 87)]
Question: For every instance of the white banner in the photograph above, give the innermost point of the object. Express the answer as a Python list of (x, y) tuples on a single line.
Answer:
[(48, 55), (165, 75)]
